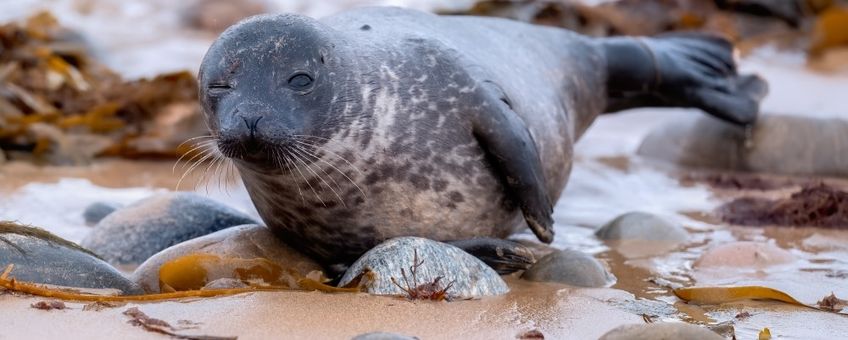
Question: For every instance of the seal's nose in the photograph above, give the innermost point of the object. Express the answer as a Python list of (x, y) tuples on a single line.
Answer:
[(251, 123)]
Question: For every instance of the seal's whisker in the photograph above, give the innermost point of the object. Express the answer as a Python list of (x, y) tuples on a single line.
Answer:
[(194, 151), (340, 171), (331, 153), (193, 166), (194, 138), (306, 153), (288, 166), (306, 180)]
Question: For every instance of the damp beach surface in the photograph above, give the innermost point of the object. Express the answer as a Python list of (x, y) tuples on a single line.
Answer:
[(608, 179)]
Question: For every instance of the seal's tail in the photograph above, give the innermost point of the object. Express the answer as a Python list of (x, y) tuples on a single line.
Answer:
[(695, 70)]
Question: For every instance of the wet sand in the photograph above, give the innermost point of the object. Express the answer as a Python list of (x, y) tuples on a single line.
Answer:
[(559, 312)]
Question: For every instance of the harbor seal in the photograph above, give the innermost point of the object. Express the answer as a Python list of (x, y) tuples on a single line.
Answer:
[(382, 122)]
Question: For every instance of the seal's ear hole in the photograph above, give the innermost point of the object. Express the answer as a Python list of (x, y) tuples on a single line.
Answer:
[(322, 59)]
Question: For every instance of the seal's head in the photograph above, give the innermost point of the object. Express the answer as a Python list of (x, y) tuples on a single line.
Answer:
[(269, 82)]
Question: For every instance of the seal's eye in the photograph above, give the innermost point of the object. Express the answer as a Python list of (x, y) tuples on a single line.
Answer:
[(300, 81), (218, 88)]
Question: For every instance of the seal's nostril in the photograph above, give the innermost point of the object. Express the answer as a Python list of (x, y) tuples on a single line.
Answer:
[(251, 124)]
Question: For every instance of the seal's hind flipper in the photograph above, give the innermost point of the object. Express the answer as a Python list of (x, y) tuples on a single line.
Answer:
[(504, 256), (504, 137), (681, 70)]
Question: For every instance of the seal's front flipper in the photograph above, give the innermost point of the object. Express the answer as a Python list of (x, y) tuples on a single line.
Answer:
[(504, 137), (681, 70), (503, 256)]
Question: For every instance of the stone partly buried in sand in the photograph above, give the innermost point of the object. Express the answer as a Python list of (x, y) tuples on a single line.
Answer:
[(41, 257), (661, 331), (744, 255), (641, 226), (570, 267), (131, 235), (467, 276), (639, 234), (778, 144), (244, 244)]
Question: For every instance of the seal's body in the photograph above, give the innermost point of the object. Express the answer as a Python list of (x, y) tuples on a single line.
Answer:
[(385, 122)]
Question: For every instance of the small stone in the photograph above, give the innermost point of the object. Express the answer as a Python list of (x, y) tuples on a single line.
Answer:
[(745, 255), (383, 336), (661, 331), (97, 211), (246, 241), (641, 226), (131, 235), (43, 258), (470, 277), (569, 267)]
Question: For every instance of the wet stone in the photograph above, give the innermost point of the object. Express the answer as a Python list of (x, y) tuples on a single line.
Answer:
[(383, 336), (131, 235), (744, 255), (97, 211), (245, 242), (41, 257), (661, 331), (471, 277), (779, 144), (570, 267), (641, 226)]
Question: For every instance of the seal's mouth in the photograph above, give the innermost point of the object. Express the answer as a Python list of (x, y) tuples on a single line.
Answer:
[(282, 154)]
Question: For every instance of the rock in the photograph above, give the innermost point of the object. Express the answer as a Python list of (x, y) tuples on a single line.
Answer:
[(383, 336), (131, 235), (641, 226), (216, 15), (244, 242), (744, 254), (97, 211), (570, 267), (661, 331), (779, 144), (471, 277), (226, 283), (41, 257)]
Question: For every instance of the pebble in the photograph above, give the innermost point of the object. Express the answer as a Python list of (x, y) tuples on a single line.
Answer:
[(471, 277), (130, 235), (41, 257), (570, 267)]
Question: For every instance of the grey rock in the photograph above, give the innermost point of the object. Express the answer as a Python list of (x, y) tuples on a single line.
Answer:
[(131, 235), (779, 144), (97, 211), (383, 336), (641, 226), (570, 267), (661, 331), (471, 277), (41, 257), (246, 241)]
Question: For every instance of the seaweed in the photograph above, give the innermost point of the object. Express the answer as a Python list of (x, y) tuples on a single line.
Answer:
[(426, 291), (55, 98), (140, 319), (49, 305), (819, 205)]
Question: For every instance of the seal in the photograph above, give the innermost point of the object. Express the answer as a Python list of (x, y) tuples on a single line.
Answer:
[(382, 122)]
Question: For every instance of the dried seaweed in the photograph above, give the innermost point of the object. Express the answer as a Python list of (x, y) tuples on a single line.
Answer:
[(55, 100), (49, 305), (138, 318), (818, 205), (832, 303)]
